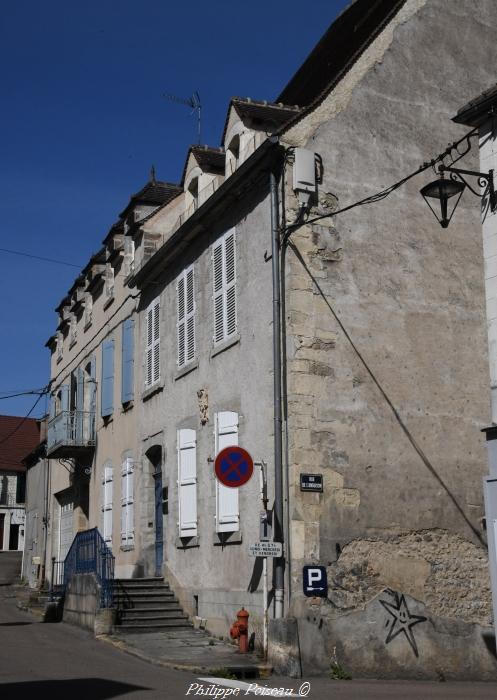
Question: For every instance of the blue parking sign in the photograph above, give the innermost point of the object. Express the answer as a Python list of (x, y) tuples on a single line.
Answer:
[(315, 581)]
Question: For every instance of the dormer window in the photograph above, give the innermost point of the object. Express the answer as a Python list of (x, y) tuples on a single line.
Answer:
[(129, 256), (109, 281), (88, 309), (193, 191), (72, 330), (233, 155), (59, 345)]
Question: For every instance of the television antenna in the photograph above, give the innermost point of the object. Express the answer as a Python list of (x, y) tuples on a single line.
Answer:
[(194, 103)]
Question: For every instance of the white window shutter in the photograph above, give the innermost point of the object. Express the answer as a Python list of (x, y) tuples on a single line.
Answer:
[(180, 292), (224, 276), (190, 314), (152, 346), (227, 507), (127, 502), (217, 275), (187, 482), (230, 282), (156, 369)]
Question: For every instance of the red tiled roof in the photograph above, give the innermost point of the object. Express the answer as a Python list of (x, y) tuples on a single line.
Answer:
[(20, 443)]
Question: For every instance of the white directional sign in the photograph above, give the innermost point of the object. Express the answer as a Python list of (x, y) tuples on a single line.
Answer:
[(266, 549)]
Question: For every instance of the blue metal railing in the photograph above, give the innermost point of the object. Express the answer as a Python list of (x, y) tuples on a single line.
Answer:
[(89, 554)]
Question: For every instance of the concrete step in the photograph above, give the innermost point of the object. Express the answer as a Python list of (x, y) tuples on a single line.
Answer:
[(127, 619), (144, 595), (139, 582), (154, 604), (145, 612), (153, 625)]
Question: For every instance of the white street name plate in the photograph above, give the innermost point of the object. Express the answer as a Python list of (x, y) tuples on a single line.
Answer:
[(266, 549)]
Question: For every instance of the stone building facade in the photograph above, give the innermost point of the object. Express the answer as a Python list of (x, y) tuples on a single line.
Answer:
[(384, 363)]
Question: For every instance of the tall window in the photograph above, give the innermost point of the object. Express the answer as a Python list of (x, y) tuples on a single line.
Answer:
[(227, 510), (127, 502), (224, 278), (107, 384), (107, 503), (152, 360), (185, 290), (187, 482)]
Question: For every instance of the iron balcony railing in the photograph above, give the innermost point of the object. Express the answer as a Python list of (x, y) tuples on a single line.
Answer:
[(88, 554), (73, 429)]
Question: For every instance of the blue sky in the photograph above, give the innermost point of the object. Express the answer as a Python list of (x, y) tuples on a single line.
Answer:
[(83, 118)]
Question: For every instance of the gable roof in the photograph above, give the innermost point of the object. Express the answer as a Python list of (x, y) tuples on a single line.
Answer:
[(154, 192), (273, 113), (342, 44), (24, 437), (209, 159)]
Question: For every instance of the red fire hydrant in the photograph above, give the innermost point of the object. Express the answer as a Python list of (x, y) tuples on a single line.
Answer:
[(239, 630)]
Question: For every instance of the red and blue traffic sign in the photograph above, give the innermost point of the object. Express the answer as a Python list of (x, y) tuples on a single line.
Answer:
[(233, 466)]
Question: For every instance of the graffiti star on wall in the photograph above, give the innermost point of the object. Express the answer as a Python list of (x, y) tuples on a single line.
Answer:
[(402, 620)]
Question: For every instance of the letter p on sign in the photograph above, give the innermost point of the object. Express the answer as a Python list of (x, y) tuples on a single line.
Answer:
[(315, 581)]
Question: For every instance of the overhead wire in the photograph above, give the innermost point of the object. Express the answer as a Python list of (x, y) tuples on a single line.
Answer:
[(22, 421), (39, 257), (382, 194)]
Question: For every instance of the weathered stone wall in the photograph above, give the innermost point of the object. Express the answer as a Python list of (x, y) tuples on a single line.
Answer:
[(386, 340), (82, 601)]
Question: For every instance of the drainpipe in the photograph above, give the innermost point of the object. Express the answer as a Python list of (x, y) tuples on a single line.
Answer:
[(278, 466)]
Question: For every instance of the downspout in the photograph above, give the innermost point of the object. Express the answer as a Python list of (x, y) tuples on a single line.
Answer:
[(278, 465)]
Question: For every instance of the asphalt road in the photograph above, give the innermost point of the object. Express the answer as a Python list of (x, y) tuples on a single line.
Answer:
[(53, 661)]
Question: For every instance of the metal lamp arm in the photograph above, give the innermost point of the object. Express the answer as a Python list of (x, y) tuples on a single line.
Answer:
[(485, 180)]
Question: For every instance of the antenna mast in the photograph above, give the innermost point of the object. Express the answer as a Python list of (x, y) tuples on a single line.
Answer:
[(194, 103)]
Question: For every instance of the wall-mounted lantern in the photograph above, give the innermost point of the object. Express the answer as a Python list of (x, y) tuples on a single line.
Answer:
[(448, 191)]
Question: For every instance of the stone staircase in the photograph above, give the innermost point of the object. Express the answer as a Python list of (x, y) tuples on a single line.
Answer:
[(147, 605)]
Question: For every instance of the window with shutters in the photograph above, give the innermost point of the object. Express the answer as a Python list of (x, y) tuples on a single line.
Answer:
[(73, 332), (107, 385), (88, 309), (227, 509), (60, 345), (224, 280), (127, 361), (187, 483), (152, 351), (127, 503), (107, 503), (185, 293), (109, 281), (129, 256)]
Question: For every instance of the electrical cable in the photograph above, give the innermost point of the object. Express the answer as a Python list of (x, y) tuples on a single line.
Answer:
[(40, 392), (39, 257), (21, 423), (382, 194)]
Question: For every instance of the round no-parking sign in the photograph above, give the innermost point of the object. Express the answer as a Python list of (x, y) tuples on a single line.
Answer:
[(233, 466)]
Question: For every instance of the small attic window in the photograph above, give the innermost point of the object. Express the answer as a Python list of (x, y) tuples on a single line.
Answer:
[(193, 190), (233, 155)]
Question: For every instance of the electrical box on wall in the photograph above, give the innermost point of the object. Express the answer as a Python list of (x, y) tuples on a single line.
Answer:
[(304, 171)]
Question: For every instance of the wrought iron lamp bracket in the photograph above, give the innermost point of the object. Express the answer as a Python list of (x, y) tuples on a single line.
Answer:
[(485, 180)]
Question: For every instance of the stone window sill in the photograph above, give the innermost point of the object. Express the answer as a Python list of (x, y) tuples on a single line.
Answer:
[(127, 547), (72, 343), (152, 390), (87, 326), (127, 406), (187, 542), (186, 369), (221, 539), (225, 344), (108, 302)]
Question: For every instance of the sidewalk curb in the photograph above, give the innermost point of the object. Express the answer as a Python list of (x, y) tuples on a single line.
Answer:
[(260, 670)]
